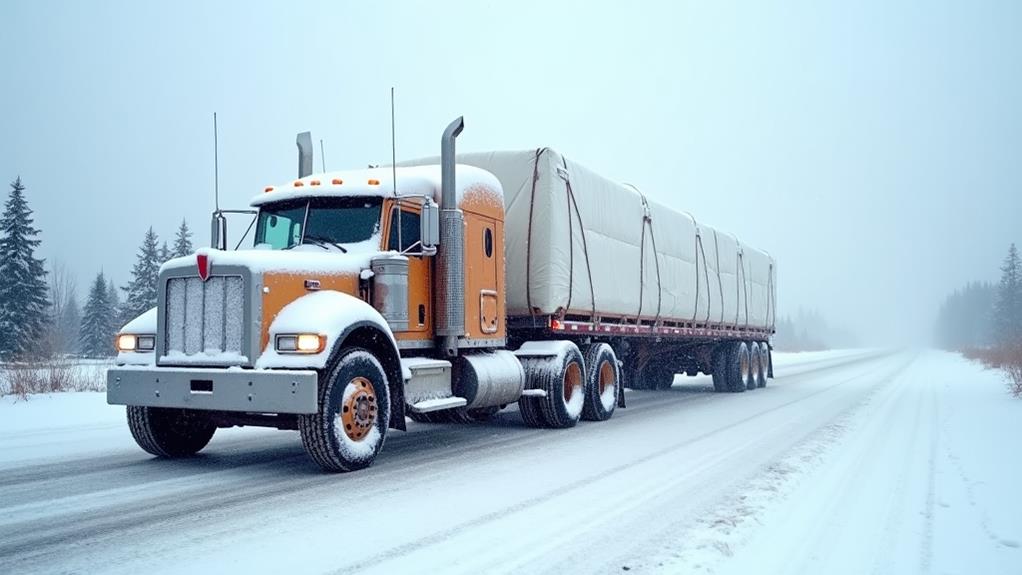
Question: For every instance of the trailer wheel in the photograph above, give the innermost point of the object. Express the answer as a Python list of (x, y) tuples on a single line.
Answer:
[(738, 365), (354, 412), (562, 377), (764, 364), (755, 366), (169, 433), (601, 383), (721, 354)]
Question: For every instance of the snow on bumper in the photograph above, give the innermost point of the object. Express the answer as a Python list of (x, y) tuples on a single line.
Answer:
[(245, 390)]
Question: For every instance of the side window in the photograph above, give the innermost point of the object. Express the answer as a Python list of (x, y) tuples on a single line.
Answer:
[(488, 242), (410, 223), (281, 231)]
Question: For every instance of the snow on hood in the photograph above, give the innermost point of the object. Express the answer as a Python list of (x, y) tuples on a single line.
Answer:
[(304, 259)]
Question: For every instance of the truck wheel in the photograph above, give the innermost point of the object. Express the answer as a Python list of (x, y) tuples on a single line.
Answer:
[(764, 364), (601, 383), (737, 369), (755, 362), (354, 413), (167, 432), (720, 358), (562, 378)]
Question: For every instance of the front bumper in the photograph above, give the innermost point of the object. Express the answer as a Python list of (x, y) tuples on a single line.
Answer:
[(243, 390)]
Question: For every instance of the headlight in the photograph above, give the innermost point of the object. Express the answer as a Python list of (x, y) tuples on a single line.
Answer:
[(134, 342), (300, 343)]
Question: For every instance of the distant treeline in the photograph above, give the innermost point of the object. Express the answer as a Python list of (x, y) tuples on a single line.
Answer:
[(40, 313), (981, 314), (809, 331)]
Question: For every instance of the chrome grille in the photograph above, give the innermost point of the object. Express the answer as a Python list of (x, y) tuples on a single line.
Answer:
[(205, 318)]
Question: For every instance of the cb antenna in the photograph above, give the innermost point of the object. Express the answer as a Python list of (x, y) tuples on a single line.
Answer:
[(216, 166), (322, 155)]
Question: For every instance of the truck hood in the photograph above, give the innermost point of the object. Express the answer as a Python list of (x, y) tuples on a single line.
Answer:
[(306, 259)]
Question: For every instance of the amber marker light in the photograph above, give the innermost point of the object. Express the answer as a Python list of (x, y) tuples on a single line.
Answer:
[(337, 181), (374, 182)]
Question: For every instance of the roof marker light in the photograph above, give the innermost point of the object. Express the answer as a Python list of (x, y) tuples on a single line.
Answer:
[(374, 182), (268, 189), (299, 183), (314, 183), (337, 181)]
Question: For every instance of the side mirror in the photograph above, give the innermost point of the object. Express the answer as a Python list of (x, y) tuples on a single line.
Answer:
[(218, 232), (429, 230)]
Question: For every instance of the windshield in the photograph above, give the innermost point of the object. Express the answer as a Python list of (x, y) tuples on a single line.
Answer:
[(320, 221)]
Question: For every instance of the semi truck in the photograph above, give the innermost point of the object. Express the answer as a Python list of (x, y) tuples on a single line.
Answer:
[(439, 290)]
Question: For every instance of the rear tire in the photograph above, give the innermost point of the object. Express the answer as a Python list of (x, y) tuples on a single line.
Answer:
[(737, 367), (354, 413), (755, 364), (562, 378), (764, 364), (720, 358), (170, 433), (602, 383)]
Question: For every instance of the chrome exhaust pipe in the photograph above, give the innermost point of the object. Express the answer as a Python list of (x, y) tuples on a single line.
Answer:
[(450, 292)]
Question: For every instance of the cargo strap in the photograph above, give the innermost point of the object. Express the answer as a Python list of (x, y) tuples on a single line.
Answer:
[(563, 173), (572, 204), (647, 220)]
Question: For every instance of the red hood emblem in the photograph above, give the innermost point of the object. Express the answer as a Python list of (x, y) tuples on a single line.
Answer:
[(202, 262)]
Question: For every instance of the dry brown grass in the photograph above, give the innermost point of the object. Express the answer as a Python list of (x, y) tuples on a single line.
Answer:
[(48, 376), (1007, 358)]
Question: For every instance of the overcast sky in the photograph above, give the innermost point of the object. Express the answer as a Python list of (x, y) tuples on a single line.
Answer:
[(874, 148)]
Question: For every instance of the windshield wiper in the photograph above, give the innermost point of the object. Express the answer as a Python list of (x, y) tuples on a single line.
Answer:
[(322, 242)]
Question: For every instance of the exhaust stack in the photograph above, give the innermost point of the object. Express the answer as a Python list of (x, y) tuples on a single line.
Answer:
[(450, 304), (304, 142)]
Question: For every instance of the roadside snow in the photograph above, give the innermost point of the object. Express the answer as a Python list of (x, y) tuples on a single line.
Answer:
[(922, 476)]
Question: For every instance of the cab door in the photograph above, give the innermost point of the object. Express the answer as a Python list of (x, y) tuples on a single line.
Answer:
[(420, 311)]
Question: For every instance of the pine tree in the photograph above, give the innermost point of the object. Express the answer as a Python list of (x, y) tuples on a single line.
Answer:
[(98, 325), (165, 254), (112, 294), (1007, 318), (141, 291), (24, 305), (183, 241)]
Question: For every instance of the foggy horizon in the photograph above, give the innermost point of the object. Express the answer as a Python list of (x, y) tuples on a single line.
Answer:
[(870, 149)]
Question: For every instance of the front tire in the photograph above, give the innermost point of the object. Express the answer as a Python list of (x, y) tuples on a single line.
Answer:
[(169, 433), (354, 412)]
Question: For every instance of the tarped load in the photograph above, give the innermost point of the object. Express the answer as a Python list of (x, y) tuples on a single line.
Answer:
[(580, 244)]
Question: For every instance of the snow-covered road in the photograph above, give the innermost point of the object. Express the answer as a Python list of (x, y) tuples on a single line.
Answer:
[(848, 462)]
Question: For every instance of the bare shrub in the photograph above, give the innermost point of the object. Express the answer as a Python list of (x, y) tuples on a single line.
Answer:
[(51, 376), (1012, 365), (1005, 357)]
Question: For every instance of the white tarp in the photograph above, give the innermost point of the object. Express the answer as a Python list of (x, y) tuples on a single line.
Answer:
[(607, 231)]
